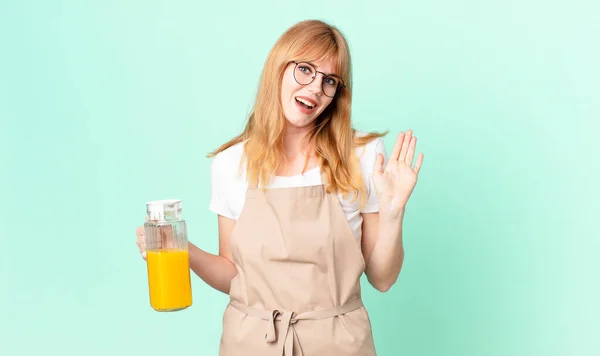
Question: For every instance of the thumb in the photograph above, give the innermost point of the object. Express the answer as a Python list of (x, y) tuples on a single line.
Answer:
[(378, 170)]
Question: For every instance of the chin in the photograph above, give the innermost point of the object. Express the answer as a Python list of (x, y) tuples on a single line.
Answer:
[(299, 121)]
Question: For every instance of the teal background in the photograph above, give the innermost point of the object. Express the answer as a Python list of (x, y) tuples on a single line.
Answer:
[(107, 104)]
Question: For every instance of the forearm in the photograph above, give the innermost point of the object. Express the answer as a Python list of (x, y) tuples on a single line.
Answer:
[(387, 257), (217, 271)]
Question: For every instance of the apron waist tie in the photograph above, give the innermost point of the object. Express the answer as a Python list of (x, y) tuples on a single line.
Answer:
[(289, 318)]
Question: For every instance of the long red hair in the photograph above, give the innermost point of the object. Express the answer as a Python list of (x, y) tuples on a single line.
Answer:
[(332, 137)]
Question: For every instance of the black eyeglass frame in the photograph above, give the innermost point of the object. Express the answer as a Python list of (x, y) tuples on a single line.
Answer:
[(341, 85)]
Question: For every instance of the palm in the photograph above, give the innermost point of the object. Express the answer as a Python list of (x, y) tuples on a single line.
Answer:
[(395, 183)]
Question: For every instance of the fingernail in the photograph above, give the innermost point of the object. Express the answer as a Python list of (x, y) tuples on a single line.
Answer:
[(144, 254)]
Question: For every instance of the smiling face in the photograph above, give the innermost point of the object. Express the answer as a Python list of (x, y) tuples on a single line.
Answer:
[(302, 104)]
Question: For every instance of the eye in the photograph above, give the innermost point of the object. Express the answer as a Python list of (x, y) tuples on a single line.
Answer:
[(305, 69), (331, 81)]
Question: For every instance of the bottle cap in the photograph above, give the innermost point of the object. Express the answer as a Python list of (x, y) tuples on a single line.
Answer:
[(167, 209)]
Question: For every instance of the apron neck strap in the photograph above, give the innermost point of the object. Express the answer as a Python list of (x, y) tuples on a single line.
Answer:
[(323, 180), (252, 185)]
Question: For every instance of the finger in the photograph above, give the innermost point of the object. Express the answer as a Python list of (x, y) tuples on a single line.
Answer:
[(397, 147), (144, 255), (141, 243), (419, 163), (410, 154), (139, 231), (404, 148)]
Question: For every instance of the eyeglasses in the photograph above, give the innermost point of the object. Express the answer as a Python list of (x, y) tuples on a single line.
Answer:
[(305, 73)]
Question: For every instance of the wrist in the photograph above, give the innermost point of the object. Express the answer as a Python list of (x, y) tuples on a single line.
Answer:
[(394, 215)]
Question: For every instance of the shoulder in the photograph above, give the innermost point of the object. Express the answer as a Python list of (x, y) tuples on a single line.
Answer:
[(227, 162), (368, 152), (227, 182), (227, 175)]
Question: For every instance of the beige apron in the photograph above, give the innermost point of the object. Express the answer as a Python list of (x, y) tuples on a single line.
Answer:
[(297, 291)]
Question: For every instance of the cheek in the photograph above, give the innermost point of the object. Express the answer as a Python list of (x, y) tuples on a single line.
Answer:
[(288, 86), (325, 105)]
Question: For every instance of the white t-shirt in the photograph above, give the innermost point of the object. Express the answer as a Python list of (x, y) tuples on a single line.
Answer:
[(228, 191)]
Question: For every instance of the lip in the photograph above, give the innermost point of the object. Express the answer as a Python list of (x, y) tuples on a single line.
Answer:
[(303, 109), (309, 100)]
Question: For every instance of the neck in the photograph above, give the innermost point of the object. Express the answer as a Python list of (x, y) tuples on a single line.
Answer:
[(294, 143)]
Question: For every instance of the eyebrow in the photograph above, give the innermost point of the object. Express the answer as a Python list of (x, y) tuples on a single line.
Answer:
[(317, 67)]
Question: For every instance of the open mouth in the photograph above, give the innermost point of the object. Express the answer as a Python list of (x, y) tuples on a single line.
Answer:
[(305, 106)]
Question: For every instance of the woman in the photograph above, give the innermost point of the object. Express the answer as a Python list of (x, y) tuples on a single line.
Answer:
[(304, 207)]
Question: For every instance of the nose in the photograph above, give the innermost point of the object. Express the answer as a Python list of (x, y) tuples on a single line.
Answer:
[(316, 86)]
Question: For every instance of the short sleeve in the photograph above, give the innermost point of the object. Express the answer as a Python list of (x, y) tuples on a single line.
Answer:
[(370, 159), (218, 181)]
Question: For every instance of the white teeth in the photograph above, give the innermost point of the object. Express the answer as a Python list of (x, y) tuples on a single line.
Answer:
[(309, 104)]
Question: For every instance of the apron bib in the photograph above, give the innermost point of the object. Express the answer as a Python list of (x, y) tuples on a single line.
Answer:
[(297, 291)]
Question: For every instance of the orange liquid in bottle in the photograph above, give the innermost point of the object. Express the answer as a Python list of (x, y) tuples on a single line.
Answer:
[(169, 279)]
